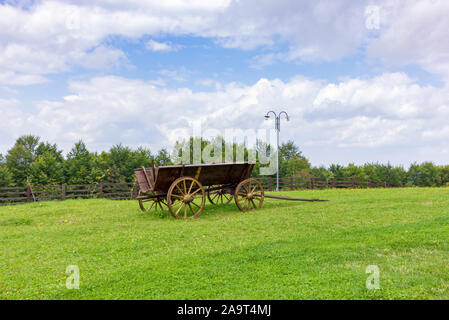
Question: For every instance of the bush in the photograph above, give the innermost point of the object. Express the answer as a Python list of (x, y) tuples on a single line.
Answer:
[(424, 175)]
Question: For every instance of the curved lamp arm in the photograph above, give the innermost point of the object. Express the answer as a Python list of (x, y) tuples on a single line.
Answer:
[(267, 116), (286, 115)]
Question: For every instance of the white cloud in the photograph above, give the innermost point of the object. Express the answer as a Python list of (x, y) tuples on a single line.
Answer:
[(55, 36), (392, 95), (180, 74), (153, 45), (101, 58), (52, 37), (414, 32), (325, 30), (10, 109), (365, 120), (19, 79)]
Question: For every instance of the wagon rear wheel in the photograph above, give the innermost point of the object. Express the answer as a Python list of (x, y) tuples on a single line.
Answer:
[(186, 198), (220, 196), (150, 203), (249, 195)]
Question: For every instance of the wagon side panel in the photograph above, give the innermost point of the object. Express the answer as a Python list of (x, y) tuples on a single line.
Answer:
[(166, 176), (225, 174), (141, 181)]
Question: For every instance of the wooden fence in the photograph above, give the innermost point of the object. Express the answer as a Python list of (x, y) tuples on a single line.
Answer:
[(128, 191), (269, 183), (113, 191)]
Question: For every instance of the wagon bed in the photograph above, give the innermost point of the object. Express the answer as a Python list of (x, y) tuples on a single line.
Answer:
[(159, 179)]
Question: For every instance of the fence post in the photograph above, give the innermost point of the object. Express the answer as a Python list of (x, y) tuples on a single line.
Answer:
[(385, 184), (28, 193), (312, 183), (63, 189), (333, 182), (291, 183), (100, 190), (270, 183), (352, 183)]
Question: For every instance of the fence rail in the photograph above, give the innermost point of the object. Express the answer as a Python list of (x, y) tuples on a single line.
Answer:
[(128, 191)]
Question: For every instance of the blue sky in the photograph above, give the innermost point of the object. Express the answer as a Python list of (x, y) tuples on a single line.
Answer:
[(361, 83)]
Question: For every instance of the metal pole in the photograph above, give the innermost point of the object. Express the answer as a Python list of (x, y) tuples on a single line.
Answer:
[(277, 126), (277, 150)]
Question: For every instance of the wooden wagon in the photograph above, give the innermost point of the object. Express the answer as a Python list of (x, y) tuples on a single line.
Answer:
[(184, 188)]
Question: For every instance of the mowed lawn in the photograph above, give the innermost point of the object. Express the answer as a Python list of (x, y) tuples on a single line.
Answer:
[(285, 250)]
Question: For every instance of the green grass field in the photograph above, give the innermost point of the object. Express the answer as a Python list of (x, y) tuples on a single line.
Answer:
[(285, 250)]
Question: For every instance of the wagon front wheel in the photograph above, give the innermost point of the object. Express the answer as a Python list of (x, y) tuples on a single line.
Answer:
[(249, 195), (186, 198)]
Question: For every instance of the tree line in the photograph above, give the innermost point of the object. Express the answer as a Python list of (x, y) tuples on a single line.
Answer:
[(38, 162), (42, 163), (293, 164)]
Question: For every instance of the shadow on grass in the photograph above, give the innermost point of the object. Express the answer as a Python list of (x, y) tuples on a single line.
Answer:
[(211, 210)]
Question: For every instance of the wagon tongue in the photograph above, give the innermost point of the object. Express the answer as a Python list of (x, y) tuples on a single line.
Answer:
[(293, 199)]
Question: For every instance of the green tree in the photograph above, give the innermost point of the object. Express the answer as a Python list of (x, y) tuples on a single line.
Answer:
[(291, 161), (289, 150), (320, 172), (113, 175), (297, 167), (424, 175), (45, 147), (162, 158), (47, 166), (444, 175), (81, 166), (352, 170), (47, 169), (6, 179), (337, 170), (20, 157), (141, 157), (119, 163), (372, 171), (395, 176)]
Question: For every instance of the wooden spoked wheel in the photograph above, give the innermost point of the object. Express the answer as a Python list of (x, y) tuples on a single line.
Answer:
[(186, 198), (149, 204), (220, 196), (249, 195)]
